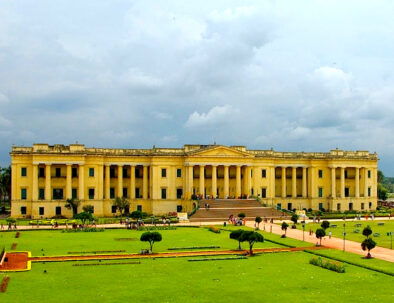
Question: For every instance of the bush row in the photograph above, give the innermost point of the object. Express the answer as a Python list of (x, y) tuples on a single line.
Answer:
[(334, 266), (157, 228), (86, 229)]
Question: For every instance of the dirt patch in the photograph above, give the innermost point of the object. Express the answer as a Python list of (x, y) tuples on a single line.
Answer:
[(13, 246), (4, 284), (15, 261), (98, 264), (17, 235), (94, 252)]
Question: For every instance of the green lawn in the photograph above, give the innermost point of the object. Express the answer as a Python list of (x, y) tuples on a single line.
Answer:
[(383, 240), (276, 277)]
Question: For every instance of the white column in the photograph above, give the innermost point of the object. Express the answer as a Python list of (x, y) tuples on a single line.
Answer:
[(333, 182), (294, 182), (107, 181), (226, 181), (357, 181), (304, 193), (202, 181), (284, 182), (68, 181), (214, 182), (190, 181), (48, 182)]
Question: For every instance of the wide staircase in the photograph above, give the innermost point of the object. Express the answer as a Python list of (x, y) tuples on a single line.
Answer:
[(222, 209)]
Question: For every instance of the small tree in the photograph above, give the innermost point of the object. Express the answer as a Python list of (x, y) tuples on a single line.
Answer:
[(121, 204), (138, 214), (284, 227), (258, 220), (294, 218), (325, 224), (84, 216), (88, 208), (368, 244), (320, 233), (236, 235), (251, 237), (367, 231), (241, 216), (73, 205), (151, 237)]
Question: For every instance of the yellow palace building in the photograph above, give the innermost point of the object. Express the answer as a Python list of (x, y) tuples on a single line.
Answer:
[(163, 180)]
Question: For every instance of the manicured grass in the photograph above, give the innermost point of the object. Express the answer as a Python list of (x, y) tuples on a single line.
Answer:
[(55, 242), (383, 240), (283, 277)]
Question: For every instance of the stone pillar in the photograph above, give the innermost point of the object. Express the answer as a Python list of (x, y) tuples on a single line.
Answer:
[(342, 182), (145, 183), (35, 183), (14, 178), (107, 181), (304, 193), (238, 190), (132, 182), (273, 178), (202, 181), (68, 181), (294, 182), (100, 181), (226, 182), (313, 175), (48, 182), (357, 180), (333, 182), (81, 181), (248, 180), (190, 181), (365, 182), (120, 181), (214, 181), (284, 182)]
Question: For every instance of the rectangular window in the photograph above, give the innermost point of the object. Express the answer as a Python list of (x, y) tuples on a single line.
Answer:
[(163, 172), (320, 206), (362, 205), (23, 172), (139, 207), (58, 211), (74, 172), (320, 192), (58, 172), (112, 193), (41, 193), (23, 193), (57, 194), (251, 172), (125, 192), (338, 206), (264, 173), (74, 193), (164, 193), (41, 172), (252, 191), (289, 206), (264, 193), (41, 211), (370, 205), (91, 193), (369, 191), (125, 172), (23, 210), (91, 172), (350, 206), (179, 193), (369, 174), (320, 173), (137, 173), (137, 192), (179, 173), (345, 174), (279, 206), (347, 192), (113, 209), (112, 172)]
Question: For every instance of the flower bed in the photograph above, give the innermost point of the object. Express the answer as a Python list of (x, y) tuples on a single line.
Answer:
[(52, 221), (214, 229), (156, 228), (4, 284), (327, 264)]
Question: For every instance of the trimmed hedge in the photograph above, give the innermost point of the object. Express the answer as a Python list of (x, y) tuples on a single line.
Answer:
[(327, 264), (86, 229)]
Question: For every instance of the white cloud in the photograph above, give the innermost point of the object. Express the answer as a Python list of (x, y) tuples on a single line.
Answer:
[(215, 115)]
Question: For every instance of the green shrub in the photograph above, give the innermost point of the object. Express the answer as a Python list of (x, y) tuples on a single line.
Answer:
[(331, 265)]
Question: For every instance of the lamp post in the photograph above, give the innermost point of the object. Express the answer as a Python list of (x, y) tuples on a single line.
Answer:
[(303, 231), (344, 235)]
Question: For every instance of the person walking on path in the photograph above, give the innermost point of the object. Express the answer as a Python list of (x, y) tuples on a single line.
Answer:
[(329, 234)]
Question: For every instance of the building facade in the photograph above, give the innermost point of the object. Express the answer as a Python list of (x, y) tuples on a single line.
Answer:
[(163, 180)]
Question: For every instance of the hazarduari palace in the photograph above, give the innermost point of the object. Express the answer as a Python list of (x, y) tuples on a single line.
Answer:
[(162, 180)]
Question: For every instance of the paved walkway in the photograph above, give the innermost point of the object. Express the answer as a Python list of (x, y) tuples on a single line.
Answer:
[(350, 246)]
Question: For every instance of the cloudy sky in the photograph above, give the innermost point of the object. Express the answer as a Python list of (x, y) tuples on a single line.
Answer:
[(292, 75)]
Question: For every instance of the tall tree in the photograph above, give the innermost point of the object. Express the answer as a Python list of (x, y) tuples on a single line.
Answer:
[(320, 234), (236, 235), (121, 204), (151, 237), (73, 204), (251, 237), (5, 183)]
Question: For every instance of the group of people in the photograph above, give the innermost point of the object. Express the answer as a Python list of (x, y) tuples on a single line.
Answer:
[(10, 226), (236, 221)]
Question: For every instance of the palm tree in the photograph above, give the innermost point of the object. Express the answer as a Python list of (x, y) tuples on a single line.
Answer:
[(73, 204)]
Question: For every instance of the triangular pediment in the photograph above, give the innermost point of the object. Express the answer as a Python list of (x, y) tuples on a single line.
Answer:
[(219, 151)]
